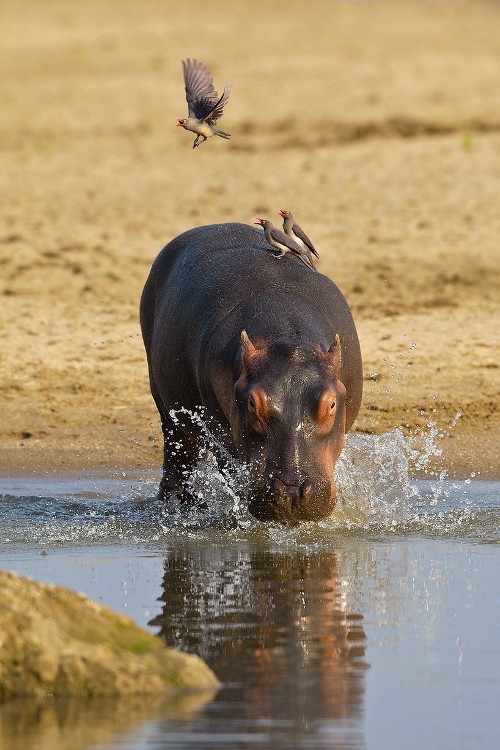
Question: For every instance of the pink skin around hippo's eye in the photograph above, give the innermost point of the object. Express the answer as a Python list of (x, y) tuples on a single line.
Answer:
[(257, 405)]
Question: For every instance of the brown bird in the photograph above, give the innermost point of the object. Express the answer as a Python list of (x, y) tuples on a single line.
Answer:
[(205, 106), (293, 230), (282, 242)]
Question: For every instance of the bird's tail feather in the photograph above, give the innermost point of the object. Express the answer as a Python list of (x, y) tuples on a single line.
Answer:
[(223, 134)]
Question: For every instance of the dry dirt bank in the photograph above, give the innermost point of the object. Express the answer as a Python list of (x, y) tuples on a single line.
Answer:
[(377, 123)]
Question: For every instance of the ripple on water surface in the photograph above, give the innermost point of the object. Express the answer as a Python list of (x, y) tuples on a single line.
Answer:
[(375, 497)]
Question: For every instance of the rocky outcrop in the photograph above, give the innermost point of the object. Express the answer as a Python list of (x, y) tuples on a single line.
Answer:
[(54, 641)]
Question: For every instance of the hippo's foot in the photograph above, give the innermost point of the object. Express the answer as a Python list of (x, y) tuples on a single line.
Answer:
[(169, 486), (180, 455)]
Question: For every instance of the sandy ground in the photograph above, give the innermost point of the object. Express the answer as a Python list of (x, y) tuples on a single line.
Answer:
[(378, 124)]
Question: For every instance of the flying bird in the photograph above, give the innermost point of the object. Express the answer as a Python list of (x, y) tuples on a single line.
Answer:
[(293, 230), (283, 243), (205, 106)]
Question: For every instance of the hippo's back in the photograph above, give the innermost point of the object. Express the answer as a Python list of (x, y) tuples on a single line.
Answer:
[(211, 282)]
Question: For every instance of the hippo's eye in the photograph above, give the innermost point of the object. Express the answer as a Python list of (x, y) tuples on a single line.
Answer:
[(257, 409), (332, 406)]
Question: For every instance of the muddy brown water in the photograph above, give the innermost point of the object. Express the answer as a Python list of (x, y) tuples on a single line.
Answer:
[(366, 631)]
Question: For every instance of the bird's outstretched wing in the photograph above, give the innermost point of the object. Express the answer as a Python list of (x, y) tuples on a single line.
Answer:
[(201, 96), (218, 109)]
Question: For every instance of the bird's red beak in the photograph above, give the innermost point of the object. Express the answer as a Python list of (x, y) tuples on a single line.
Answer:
[(259, 221), (179, 123)]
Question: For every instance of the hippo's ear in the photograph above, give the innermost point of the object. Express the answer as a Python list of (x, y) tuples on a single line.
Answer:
[(334, 358), (247, 348), (249, 353)]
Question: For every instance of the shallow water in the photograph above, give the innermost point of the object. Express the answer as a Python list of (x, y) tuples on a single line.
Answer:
[(378, 628)]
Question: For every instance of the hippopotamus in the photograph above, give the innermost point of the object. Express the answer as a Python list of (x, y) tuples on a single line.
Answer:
[(266, 350)]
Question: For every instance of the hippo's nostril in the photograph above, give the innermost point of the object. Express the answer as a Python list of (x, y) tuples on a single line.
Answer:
[(284, 496), (311, 500), (306, 489)]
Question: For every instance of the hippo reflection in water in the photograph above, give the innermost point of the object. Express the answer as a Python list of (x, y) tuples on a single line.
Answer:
[(268, 349)]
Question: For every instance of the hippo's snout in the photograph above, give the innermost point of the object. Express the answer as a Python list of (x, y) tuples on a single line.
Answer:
[(284, 493), (291, 504)]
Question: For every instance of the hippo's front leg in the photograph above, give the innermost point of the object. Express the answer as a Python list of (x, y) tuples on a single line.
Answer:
[(180, 454)]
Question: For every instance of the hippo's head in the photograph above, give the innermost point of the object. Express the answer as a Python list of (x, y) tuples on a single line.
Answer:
[(288, 421)]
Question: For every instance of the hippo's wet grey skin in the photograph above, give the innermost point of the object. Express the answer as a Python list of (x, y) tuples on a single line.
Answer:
[(268, 349)]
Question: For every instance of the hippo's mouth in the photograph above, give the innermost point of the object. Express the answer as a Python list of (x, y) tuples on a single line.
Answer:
[(290, 504)]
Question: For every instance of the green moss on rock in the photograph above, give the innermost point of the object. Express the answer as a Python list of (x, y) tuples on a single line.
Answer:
[(54, 641)]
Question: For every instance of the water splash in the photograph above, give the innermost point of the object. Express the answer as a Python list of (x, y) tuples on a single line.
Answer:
[(372, 480), (372, 476), (220, 494), (374, 490), (220, 498)]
